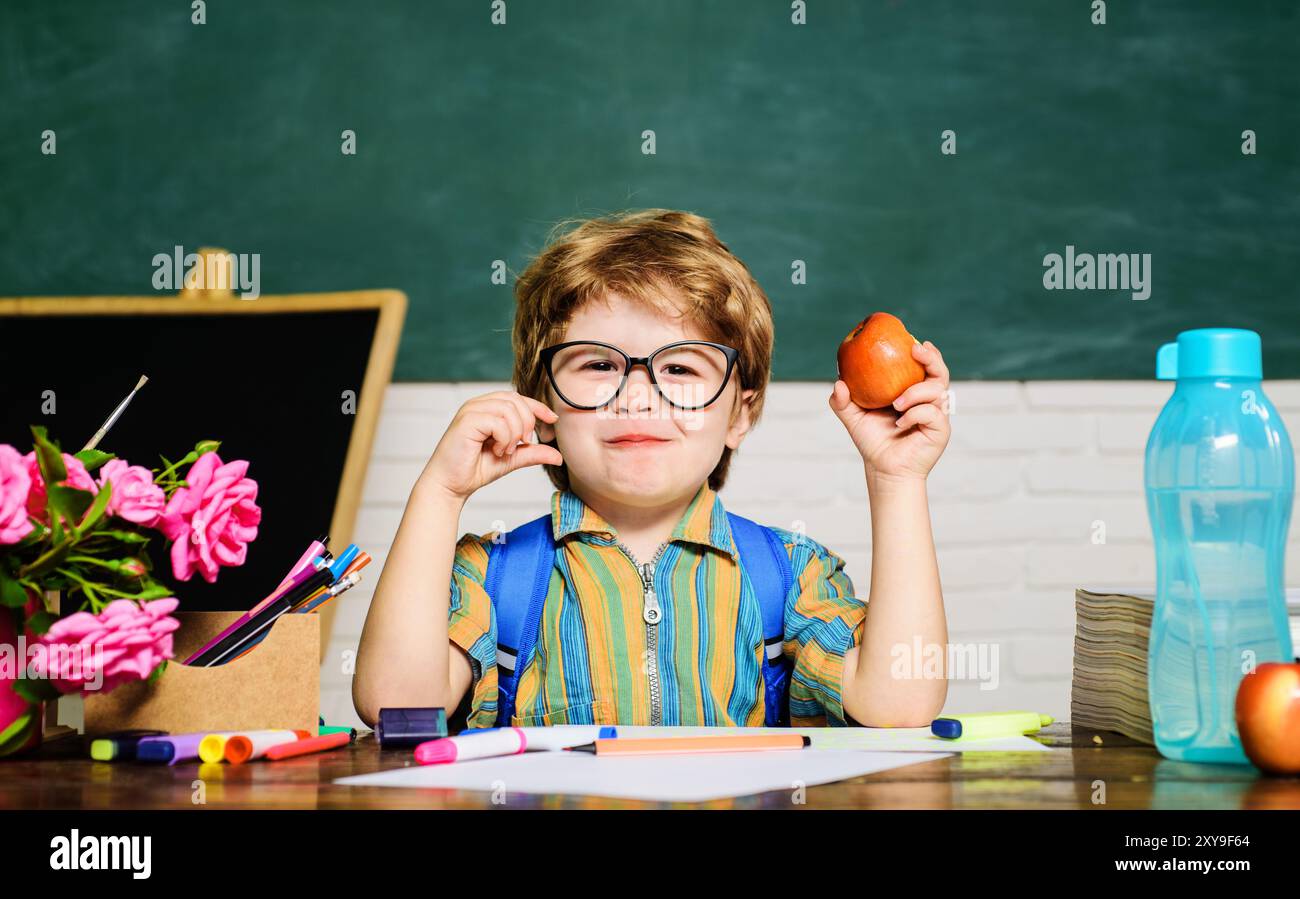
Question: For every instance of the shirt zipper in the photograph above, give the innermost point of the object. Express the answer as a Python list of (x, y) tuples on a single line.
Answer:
[(651, 615)]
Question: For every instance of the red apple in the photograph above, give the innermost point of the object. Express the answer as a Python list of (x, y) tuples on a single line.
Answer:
[(1268, 717), (876, 361)]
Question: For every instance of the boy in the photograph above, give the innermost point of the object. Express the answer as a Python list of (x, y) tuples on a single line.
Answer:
[(642, 350)]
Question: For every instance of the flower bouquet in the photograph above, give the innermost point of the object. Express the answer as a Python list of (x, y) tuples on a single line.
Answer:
[(81, 525)]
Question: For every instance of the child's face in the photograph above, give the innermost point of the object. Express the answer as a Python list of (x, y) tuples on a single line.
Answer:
[(691, 441)]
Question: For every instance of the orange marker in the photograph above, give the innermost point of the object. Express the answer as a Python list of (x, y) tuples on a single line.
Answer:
[(678, 745), (246, 747), (311, 744), (361, 561)]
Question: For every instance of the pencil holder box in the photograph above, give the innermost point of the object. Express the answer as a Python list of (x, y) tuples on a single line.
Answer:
[(275, 686)]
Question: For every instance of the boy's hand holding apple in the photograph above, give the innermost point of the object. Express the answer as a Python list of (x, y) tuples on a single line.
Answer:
[(892, 396)]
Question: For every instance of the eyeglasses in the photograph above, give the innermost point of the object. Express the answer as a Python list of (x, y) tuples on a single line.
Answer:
[(689, 374)]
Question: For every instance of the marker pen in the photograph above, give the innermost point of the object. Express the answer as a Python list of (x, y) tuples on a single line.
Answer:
[(206, 649), (340, 564), (729, 743), (406, 728), (987, 725), (329, 731), (221, 650), (343, 586), (120, 746), (502, 741), (310, 744), (253, 745), (308, 602), (552, 738), (315, 548), (173, 749), (212, 748)]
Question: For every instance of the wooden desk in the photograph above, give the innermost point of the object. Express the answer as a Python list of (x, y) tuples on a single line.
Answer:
[(1134, 776)]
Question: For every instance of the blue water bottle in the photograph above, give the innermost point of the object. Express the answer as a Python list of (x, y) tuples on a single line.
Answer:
[(1219, 480)]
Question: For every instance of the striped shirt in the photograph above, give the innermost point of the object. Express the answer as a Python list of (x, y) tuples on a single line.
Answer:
[(598, 662)]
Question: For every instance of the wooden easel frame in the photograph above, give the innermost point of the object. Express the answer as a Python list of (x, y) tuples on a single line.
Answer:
[(391, 306)]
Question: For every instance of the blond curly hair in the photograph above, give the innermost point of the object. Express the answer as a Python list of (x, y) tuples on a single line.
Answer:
[(671, 261)]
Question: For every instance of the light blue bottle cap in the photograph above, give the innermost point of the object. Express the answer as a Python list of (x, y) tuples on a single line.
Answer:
[(1211, 353)]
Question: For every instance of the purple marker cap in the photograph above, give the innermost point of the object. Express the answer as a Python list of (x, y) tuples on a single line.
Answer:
[(172, 750), (406, 728)]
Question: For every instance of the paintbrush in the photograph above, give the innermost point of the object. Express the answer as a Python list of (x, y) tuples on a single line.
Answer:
[(121, 407)]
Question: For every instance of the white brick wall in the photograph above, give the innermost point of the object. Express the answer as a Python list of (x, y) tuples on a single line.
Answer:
[(1031, 468)]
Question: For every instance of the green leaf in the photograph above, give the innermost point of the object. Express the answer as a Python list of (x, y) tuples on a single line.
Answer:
[(70, 502), (52, 580), (122, 536), (12, 593), (35, 535), (41, 622), (96, 511), (207, 446), (93, 458), (157, 672), (48, 561), (18, 732), (34, 691), (53, 471), (156, 591)]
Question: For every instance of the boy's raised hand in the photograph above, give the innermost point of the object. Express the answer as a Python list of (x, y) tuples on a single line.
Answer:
[(902, 445), (490, 436)]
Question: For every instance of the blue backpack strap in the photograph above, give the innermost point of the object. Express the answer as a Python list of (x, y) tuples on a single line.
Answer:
[(518, 576), (764, 558)]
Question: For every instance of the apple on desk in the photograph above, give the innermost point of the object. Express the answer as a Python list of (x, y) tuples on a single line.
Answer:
[(1268, 717)]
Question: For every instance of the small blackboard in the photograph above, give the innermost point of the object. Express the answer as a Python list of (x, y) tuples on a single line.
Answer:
[(293, 384)]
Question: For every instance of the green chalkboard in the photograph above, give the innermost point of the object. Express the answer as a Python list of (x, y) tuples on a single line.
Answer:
[(818, 142)]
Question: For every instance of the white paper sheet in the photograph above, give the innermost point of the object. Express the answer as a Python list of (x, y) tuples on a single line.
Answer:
[(660, 778)]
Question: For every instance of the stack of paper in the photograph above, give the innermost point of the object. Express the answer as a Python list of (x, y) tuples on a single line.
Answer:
[(1112, 630)]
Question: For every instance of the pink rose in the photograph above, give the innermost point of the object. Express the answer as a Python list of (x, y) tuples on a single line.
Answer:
[(212, 521), (135, 496), (78, 477), (15, 484), (95, 653)]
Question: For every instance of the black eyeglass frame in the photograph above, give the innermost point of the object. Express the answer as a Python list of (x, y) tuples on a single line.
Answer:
[(547, 354)]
